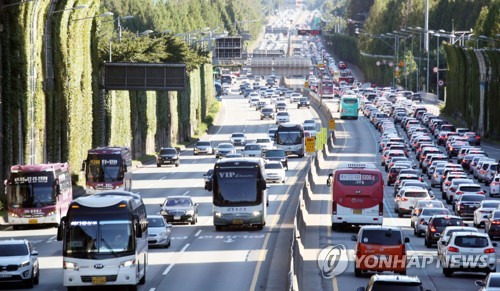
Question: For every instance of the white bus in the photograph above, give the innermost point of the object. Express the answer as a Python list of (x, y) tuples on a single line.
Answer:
[(357, 195), (105, 240), (239, 192)]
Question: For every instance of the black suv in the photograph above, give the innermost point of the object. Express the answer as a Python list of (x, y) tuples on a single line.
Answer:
[(266, 113), (168, 156), (416, 97), (276, 155), (303, 102), (436, 226)]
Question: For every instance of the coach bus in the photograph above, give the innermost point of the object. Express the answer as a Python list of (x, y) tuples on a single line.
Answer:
[(38, 194), (349, 107), (105, 240), (239, 192), (327, 89), (108, 168), (290, 138), (357, 195)]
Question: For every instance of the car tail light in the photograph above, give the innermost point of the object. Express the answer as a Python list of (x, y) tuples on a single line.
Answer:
[(494, 183), (478, 137), (432, 228), (447, 183), (458, 192), (422, 221), (495, 222), (480, 192), (452, 189), (404, 199), (453, 249), (489, 251)]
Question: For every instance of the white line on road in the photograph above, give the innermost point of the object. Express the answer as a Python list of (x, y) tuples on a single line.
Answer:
[(152, 289), (172, 265), (163, 178), (198, 233), (185, 193)]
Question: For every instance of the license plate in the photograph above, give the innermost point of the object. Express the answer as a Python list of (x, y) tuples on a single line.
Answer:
[(98, 280), (177, 218), (5, 275), (33, 221), (357, 211), (237, 221)]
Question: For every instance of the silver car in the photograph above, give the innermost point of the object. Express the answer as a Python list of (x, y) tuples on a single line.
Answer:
[(203, 147), (485, 208), (19, 262), (159, 231), (425, 215), (445, 235)]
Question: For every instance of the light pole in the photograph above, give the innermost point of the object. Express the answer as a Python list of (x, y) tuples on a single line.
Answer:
[(117, 19), (437, 61)]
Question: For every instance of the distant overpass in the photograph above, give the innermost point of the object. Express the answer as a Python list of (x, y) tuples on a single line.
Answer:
[(281, 66)]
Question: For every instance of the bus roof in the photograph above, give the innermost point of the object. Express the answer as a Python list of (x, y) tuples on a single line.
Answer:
[(110, 150), (236, 161), (39, 168), (290, 125), (356, 166), (109, 198)]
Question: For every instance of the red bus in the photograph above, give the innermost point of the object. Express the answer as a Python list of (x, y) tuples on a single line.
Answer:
[(327, 88), (108, 168), (38, 194), (357, 195)]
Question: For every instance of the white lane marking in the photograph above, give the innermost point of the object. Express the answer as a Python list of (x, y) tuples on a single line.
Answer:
[(185, 193), (149, 186), (163, 178), (152, 289), (222, 125), (172, 265), (198, 233)]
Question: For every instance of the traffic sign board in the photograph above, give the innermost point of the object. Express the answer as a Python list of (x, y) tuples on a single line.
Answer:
[(310, 144)]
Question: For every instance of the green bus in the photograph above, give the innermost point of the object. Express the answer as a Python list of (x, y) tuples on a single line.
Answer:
[(348, 107)]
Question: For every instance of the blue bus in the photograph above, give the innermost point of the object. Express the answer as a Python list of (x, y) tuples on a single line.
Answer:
[(348, 107)]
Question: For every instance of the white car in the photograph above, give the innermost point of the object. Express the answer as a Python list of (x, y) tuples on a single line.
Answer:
[(309, 122), (282, 117), (238, 138), (275, 172), (252, 150), (159, 231), (295, 97), (479, 251), (407, 197), (266, 143), (450, 192), (445, 235), (485, 208), (495, 186), (490, 283), (19, 262)]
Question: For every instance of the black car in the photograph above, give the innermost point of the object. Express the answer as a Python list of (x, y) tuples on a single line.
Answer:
[(208, 179), (416, 97), (467, 204), (303, 102), (168, 156), (260, 105), (276, 155), (266, 113), (436, 226), (179, 209)]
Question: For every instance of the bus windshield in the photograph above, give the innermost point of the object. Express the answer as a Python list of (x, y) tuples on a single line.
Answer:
[(288, 137), (236, 187), (104, 168), (350, 100), (89, 235), (32, 190)]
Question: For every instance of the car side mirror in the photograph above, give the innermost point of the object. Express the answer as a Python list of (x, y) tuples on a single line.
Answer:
[(354, 237), (485, 216), (168, 225), (196, 204), (480, 283), (432, 197), (494, 244), (398, 196), (425, 223), (407, 240), (60, 228), (438, 235), (411, 208), (138, 228), (34, 253), (444, 243)]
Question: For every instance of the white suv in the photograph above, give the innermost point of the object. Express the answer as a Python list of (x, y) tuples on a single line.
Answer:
[(19, 262), (495, 186), (407, 197), (468, 251)]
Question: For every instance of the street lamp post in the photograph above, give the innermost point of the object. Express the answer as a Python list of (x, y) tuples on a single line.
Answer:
[(437, 61), (118, 19)]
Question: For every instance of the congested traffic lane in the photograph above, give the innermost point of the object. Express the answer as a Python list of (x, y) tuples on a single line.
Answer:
[(235, 259), (358, 141)]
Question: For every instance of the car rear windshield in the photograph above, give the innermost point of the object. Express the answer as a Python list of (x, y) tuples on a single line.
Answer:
[(396, 286), (447, 222), (471, 241), (491, 205), (10, 250), (274, 154), (470, 188), (431, 212), (381, 237), (477, 197), (415, 194)]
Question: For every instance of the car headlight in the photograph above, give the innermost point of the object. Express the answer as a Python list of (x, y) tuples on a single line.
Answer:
[(164, 212), (163, 233), (52, 213), (70, 266), (24, 264), (14, 215), (190, 212), (127, 264), (217, 214), (256, 213)]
